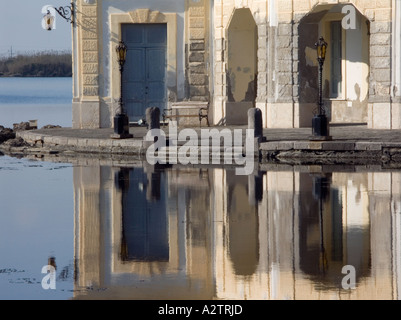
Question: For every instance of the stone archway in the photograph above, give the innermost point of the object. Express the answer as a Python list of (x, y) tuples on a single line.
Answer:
[(346, 69), (241, 72)]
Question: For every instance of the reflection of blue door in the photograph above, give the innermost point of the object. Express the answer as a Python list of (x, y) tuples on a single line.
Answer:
[(144, 78), (145, 220)]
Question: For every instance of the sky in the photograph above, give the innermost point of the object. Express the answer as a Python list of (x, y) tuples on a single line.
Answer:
[(21, 28)]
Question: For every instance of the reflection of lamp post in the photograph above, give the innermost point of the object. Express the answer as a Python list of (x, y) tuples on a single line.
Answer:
[(321, 189), (121, 121), (320, 128)]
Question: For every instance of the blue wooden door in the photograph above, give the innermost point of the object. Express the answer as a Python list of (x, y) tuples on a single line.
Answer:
[(144, 78)]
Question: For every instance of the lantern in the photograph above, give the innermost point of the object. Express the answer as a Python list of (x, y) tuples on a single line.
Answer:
[(48, 21), (321, 46), (121, 50)]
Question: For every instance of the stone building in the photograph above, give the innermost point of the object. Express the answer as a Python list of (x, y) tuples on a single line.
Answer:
[(238, 54)]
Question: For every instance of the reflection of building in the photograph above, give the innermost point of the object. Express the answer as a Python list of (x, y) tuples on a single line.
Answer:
[(238, 54), (187, 233), (291, 262), (137, 237)]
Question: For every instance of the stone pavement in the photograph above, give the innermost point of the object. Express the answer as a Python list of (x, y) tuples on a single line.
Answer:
[(348, 142), (338, 132)]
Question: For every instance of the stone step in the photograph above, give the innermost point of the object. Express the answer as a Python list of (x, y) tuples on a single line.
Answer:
[(221, 153)]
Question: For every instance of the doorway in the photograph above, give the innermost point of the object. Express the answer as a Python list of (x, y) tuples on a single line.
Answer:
[(144, 77), (241, 66)]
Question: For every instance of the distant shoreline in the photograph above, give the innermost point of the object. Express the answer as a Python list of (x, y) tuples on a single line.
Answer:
[(20, 76), (44, 64)]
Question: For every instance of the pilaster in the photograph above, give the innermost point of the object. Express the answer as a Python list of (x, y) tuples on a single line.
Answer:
[(197, 60)]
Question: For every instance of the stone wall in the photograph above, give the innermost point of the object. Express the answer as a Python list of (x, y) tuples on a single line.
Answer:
[(197, 61), (380, 66), (222, 15), (286, 99), (86, 113)]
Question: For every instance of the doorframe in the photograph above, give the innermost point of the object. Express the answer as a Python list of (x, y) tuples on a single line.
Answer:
[(144, 16)]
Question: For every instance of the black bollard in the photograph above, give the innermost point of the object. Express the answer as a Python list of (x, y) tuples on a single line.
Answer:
[(255, 122), (153, 118)]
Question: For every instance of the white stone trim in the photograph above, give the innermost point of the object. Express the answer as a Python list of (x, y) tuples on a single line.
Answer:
[(143, 16), (396, 40)]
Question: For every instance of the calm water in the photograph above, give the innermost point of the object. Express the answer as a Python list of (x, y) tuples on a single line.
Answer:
[(143, 232), (37, 222), (47, 100)]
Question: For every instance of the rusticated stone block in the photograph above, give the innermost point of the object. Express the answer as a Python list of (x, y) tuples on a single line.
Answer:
[(90, 56), (197, 67), (89, 45), (197, 33), (196, 11), (89, 34), (197, 46), (90, 68), (91, 80), (89, 11), (198, 79), (196, 57), (91, 91)]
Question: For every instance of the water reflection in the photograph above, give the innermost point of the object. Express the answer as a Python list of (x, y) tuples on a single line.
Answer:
[(144, 216), (146, 232), (328, 240), (242, 224)]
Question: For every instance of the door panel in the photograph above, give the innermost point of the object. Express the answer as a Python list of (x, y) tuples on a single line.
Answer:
[(144, 79), (155, 34), (155, 71), (133, 110), (133, 84), (156, 64), (135, 70)]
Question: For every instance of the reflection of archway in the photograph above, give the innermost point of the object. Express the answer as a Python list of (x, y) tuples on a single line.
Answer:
[(243, 231), (241, 66), (346, 69)]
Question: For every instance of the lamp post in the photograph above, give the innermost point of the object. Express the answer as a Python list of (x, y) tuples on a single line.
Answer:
[(320, 127), (121, 121)]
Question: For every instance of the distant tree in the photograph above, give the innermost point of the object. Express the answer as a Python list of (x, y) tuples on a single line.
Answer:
[(43, 64)]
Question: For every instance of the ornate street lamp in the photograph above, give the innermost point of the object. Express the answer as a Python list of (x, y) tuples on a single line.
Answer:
[(121, 121), (121, 50), (320, 127), (66, 12)]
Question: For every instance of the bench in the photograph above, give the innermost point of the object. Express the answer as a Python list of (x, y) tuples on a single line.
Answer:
[(201, 107)]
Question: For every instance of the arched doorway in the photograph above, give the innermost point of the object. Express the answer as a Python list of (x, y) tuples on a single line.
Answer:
[(346, 68), (241, 73)]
